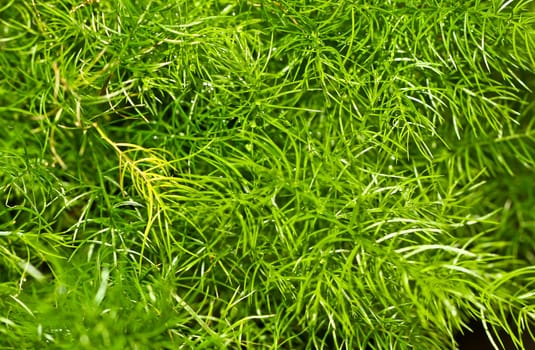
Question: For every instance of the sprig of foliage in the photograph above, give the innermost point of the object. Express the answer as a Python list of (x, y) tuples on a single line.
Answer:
[(265, 174)]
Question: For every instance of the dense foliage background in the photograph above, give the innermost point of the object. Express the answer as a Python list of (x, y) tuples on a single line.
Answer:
[(265, 174)]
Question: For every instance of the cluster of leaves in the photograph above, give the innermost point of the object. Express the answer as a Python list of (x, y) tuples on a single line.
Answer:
[(265, 174)]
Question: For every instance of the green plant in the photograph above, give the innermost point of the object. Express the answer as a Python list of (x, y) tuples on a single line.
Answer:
[(265, 174)]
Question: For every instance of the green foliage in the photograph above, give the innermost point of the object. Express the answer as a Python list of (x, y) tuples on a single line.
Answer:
[(265, 174)]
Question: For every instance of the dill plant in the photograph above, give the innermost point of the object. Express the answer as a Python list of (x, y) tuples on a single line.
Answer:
[(265, 174)]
